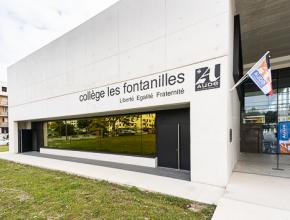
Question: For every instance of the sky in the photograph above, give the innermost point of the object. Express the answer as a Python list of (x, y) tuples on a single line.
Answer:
[(27, 25)]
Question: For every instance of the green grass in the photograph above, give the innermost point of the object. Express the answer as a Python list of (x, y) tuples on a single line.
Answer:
[(32, 193), (119, 144), (3, 148)]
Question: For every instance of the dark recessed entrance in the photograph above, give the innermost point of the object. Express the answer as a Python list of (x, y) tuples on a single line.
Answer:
[(173, 139), (25, 140), (30, 139)]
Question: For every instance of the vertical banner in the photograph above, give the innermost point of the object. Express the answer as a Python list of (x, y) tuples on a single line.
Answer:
[(284, 137)]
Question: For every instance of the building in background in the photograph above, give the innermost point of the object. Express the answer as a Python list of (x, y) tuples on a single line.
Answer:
[(3, 110)]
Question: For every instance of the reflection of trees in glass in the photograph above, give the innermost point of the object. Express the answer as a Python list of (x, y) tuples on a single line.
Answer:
[(115, 134), (148, 123), (53, 129), (115, 123), (60, 128), (97, 126), (108, 124), (253, 112), (269, 116), (83, 124)]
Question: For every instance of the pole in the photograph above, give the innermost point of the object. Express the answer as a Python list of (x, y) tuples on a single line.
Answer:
[(277, 145), (277, 158), (65, 131), (240, 81), (178, 146), (141, 122)]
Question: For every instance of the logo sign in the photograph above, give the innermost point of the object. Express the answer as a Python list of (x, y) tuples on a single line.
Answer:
[(284, 137), (207, 78)]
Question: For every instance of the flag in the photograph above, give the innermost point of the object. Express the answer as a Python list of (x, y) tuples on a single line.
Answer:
[(260, 73)]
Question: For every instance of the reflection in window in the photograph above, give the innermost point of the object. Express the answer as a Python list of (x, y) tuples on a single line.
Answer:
[(125, 134), (262, 113)]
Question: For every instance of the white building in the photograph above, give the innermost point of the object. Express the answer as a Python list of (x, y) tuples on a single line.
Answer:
[(174, 59)]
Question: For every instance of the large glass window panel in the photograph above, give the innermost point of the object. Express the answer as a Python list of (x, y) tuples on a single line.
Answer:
[(126, 134), (284, 96), (264, 112), (148, 133), (123, 134), (261, 111)]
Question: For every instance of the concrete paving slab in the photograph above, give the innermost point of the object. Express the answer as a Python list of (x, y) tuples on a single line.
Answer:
[(263, 164), (229, 209), (254, 197), (263, 190), (159, 171)]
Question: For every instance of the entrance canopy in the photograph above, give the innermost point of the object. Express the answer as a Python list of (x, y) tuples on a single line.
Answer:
[(265, 25)]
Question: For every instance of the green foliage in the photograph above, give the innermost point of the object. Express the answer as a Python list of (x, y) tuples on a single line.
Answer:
[(33, 193), (4, 148), (83, 123), (60, 128), (118, 144)]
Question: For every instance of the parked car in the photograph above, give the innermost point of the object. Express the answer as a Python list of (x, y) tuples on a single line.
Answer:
[(125, 132)]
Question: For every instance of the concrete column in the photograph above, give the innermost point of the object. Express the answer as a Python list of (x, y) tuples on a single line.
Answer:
[(45, 124), (209, 115), (13, 136)]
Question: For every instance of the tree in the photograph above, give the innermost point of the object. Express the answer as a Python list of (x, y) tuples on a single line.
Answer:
[(61, 128), (97, 124), (67, 129), (253, 112), (125, 119), (84, 124)]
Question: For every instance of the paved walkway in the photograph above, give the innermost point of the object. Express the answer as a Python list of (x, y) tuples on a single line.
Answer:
[(263, 164), (159, 171), (255, 197)]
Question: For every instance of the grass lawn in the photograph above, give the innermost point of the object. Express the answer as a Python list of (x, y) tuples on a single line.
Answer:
[(3, 148), (32, 193), (119, 144)]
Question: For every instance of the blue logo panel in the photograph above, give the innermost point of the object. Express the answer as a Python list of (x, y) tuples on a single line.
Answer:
[(258, 79)]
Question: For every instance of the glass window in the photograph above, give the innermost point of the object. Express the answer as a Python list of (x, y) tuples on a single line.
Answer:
[(262, 113), (283, 101), (125, 134), (4, 89)]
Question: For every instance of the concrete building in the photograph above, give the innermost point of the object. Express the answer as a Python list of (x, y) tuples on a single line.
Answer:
[(174, 59), (3, 111)]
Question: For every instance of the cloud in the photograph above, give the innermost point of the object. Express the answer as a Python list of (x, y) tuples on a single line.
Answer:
[(26, 25)]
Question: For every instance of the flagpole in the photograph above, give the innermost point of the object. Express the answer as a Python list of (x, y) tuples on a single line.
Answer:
[(247, 74), (240, 81)]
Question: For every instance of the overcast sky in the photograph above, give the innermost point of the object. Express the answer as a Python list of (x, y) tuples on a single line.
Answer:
[(26, 25)]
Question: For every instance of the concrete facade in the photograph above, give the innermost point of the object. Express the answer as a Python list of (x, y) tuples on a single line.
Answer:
[(3, 111), (131, 41)]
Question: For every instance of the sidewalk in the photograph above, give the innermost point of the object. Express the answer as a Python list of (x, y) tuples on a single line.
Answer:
[(250, 196)]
